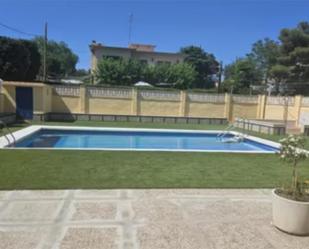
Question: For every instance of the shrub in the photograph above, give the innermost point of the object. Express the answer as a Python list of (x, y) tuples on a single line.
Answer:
[(128, 72), (292, 151)]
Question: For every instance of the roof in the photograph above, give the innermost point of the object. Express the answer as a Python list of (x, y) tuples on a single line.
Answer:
[(142, 47), (95, 46)]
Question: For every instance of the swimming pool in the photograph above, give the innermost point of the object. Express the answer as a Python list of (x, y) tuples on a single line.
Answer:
[(88, 138)]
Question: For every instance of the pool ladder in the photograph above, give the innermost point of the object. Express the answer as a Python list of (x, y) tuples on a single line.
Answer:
[(230, 128), (225, 132), (3, 126)]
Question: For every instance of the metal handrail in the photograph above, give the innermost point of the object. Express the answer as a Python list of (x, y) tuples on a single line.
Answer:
[(4, 125), (231, 127), (7, 139), (222, 134)]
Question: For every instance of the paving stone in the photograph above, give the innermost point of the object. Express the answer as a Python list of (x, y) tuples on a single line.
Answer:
[(171, 235), (42, 194), (3, 195), (90, 238), (252, 210), (151, 194), (157, 210), (94, 210), (204, 193), (29, 211), (97, 193), (282, 240), (221, 192), (235, 236), (19, 239), (225, 210), (212, 211), (141, 219)]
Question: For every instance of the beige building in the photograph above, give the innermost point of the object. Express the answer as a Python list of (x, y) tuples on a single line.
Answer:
[(143, 52)]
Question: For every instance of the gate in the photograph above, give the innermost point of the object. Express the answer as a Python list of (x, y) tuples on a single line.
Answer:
[(24, 102)]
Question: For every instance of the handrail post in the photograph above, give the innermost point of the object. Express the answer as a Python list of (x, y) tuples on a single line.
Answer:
[(4, 125)]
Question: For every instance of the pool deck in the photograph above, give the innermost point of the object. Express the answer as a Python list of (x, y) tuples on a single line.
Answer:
[(141, 219)]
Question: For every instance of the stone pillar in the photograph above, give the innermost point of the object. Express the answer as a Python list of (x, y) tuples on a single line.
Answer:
[(83, 100), (261, 107), (47, 98), (183, 104), (297, 105), (134, 102), (228, 112)]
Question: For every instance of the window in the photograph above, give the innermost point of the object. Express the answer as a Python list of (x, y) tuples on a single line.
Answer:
[(163, 62), (144, 62), (111, 57)]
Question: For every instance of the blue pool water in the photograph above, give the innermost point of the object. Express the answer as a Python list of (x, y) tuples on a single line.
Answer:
[(52, 138)]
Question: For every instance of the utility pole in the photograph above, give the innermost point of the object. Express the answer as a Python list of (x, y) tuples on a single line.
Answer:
[(45, 54)]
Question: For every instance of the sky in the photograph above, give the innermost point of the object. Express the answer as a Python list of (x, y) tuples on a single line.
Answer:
[(226, 28)]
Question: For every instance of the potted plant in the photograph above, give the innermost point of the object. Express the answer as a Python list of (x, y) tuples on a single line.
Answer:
[(291, 204)]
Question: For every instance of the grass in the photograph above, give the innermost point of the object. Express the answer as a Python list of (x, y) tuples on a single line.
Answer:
[(89, 169), (50, 169)]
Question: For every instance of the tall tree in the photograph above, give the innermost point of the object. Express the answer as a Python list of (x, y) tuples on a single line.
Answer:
[(111, 71), (204, 63), (60, 59), (279, 73), (182, 75), (127, 72), (295, 52), (19, 59), (35, 60), (158, 73), (265, 54), (241, 74)]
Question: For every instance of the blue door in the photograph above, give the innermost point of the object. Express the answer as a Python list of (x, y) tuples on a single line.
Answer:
[(24, 102)]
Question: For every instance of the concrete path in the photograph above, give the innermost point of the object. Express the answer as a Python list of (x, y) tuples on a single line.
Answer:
[(141, 219)]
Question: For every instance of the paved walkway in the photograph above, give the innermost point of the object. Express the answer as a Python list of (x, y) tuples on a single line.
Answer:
[(141, 219)]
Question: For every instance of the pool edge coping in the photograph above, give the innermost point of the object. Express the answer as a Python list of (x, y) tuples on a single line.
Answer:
[(23, 133)]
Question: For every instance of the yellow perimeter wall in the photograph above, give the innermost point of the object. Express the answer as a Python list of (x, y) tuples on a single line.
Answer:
[(123, 101), (42, 96)]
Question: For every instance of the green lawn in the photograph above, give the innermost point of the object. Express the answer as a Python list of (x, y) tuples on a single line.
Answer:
[(35, 169)]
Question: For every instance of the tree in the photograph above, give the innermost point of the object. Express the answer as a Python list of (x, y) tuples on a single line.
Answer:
[(295, 52), (241, 74), (182, 75), (265, 54), (35, 60), (156, 73), (60, 59), (283, 61), (19, 59), (81, 73), (110, 71), (292, 38), (292, 151), (119, 71), (279, 73), (204, 63), (128, 72)]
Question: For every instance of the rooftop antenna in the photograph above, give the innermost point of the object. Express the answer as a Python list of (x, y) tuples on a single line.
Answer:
[(45, 54), (130, 27)]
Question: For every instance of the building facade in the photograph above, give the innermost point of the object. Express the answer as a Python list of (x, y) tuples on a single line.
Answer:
[(142, 52)]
